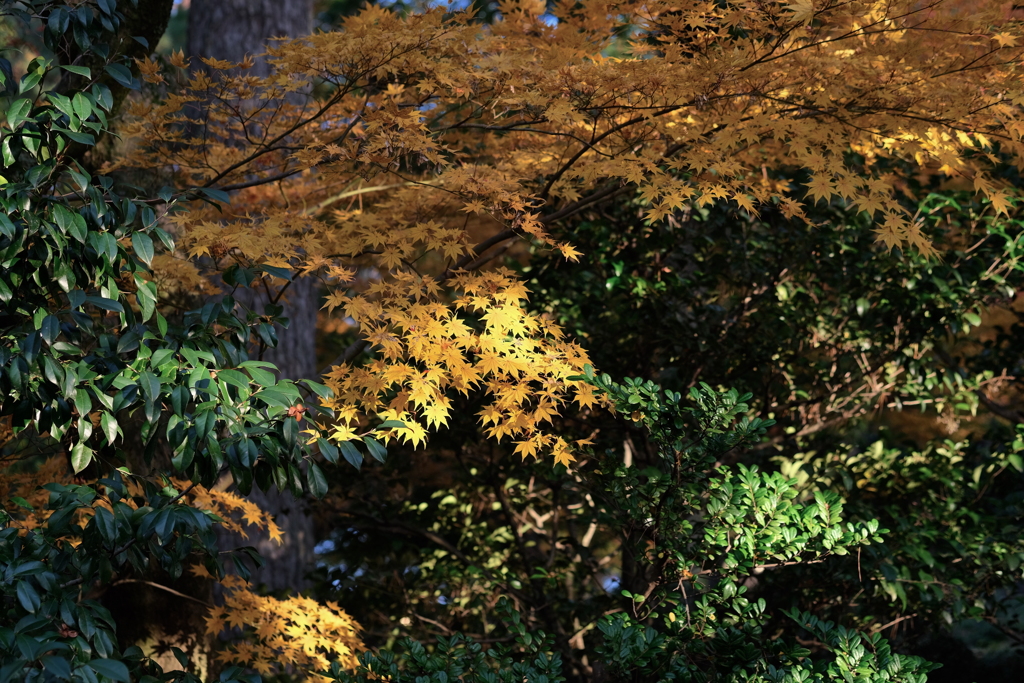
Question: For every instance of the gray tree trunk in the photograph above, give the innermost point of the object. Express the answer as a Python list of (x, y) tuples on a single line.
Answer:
[(231, 30)]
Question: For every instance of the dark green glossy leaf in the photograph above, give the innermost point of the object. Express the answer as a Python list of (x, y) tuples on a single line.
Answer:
[(143, 245), (316, 480), (7, 228), (82, 71), (321, 390), (18, 112), (111, 669), (122, 75), (328, 450), (28, 596), (81, 456), (352, 454), (378, 451), (283, 273), (50, 328), (105, 304), (234, 378)]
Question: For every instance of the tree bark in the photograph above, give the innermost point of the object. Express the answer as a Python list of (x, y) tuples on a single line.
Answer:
[(232, 30)]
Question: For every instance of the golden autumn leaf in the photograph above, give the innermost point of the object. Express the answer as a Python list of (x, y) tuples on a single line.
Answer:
[(802, 11)]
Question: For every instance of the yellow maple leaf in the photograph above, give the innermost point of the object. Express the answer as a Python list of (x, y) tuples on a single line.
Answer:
[(569, 252), (436, 412), (562, 454), (820, 187), (1005, 39), (585, 396), (526, 447), (802, 11), (275, 532), (413, 433), (1000, 202), (201, 571)]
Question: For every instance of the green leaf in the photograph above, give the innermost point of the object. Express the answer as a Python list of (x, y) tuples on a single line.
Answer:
[(145, 294), (282, 273), (62, 103), (50, 328), (105, 304), (352, 455), (122, 75), (28, 596), (7, 152), (111, 668), (109, 426), (7, 79), (83, 401), (29, 81), (82, 105), (57, 666), (205, 422), (328, 450), (1015, 461), (62, 216), (180, 397), (391, 424), (82, 71), (104, 521), (57, 22), (143, 245), (109, 243), (321, 390), (316, 480), (18, 112), (80, 138), (81, 456), (160, 358), (378, 451), (260, 376), (273, 397), (973, 318), (79, 177), (216, 195), (7, 228), (150, 385), (78, 228), (234, 378), (291, 431), (103, 96), (53, 371)]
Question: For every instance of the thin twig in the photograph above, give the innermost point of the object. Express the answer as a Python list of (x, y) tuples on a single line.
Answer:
[(879, 629), (153, 584)]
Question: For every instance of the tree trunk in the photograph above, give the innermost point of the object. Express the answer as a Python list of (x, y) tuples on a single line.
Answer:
[(231, 30)]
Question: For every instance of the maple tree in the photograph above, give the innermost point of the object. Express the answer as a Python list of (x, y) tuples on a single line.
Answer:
[(396, 159), (531, 126)]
